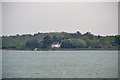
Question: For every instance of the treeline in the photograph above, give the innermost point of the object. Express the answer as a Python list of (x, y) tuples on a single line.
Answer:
[(67, 41)]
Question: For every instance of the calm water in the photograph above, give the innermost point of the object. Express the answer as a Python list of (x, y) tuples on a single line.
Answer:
[(60, 64), (0, 64)]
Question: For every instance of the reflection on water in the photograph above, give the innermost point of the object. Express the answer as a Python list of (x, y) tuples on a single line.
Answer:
[(60, 64)]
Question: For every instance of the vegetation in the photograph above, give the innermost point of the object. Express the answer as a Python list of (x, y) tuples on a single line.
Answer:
[(67, 41)]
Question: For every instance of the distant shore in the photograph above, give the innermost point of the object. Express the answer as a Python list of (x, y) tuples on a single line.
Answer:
[(71, 49)]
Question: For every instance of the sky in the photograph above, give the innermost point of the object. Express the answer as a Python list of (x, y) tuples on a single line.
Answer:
[(0, 18), (100, 18)]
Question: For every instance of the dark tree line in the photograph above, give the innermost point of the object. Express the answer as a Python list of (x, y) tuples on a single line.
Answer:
[(67, 40)]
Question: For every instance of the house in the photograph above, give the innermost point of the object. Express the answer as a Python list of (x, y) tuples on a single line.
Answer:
[(35, 49), (55, 45)]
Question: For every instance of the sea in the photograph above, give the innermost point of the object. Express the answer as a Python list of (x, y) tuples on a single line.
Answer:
[(0, 64), (59, 64)]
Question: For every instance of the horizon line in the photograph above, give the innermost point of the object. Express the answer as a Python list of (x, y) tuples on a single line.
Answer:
[(56, 32)]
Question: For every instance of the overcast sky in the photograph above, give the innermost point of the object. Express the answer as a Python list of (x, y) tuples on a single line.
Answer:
[(31, 17)]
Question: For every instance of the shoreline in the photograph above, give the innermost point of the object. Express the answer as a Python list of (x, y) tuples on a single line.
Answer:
[(80, 49)]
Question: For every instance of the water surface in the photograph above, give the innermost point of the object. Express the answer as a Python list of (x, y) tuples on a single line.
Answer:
[(60, 64), (0, 64)]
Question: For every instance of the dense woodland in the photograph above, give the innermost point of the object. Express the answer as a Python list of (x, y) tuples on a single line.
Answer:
[(43, 41)]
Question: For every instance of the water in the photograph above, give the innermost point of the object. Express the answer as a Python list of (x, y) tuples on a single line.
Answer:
[(0, 64), (60, 64)]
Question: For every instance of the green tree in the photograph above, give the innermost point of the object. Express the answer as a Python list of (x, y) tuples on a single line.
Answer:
[(47, 41), (55, 39), (32, 44), (73, 43)]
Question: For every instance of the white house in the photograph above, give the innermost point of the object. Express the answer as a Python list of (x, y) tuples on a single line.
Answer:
[(55, 45)]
